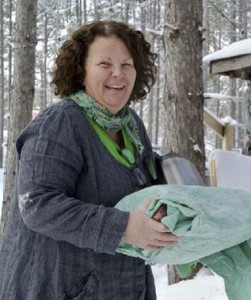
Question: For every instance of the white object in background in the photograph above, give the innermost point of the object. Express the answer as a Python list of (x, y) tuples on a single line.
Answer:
[(231, 170)]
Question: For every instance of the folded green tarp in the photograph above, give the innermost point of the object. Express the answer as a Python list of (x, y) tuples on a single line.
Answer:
[(216, 227)]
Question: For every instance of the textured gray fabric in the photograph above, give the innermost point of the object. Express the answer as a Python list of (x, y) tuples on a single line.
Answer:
[(63, 231)]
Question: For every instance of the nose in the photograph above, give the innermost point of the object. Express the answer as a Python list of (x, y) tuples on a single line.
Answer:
[(117, 71)]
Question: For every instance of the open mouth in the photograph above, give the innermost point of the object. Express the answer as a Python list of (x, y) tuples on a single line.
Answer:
[(115, 87)]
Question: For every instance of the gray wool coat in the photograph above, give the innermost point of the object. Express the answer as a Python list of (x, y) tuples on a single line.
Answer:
[(63, 230)]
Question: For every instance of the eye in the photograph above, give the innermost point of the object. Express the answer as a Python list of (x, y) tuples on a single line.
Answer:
[(129, 65), (105, 64)]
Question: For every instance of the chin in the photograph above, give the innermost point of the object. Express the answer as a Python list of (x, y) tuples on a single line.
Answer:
[(114, 109)]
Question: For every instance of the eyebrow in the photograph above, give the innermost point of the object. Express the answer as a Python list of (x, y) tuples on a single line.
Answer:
[(109, 58), (129, 58)]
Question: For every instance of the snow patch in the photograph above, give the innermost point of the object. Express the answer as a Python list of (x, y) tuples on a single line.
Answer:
[(239, 48), (23, 200)]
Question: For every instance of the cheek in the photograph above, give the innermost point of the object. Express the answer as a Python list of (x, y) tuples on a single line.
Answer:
[(133, 77), (91, 80), (98, 76)]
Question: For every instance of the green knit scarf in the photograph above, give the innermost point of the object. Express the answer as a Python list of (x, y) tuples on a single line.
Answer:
[(106, 120)]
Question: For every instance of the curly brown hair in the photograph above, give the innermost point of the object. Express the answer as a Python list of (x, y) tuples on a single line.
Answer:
[(69, 71)]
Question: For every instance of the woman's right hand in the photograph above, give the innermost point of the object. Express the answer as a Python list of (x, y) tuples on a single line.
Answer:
[(147, 233)]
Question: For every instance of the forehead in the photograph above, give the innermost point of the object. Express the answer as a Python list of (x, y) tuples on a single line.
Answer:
[(102, 45)]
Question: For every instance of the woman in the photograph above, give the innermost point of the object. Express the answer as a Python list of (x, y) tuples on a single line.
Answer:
[(77, 159)]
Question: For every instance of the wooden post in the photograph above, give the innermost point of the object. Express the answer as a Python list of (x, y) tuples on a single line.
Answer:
[(228, 137), (212, 170), (224, 130)]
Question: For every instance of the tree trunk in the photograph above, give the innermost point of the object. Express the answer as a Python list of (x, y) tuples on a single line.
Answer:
[(173, 275), (217, 82), (183, 102), (184, 84), (85, 11), (205, 40), (243, 25), (23, 93), (10, 54), (2, 87), (232, 81), (43, 99)]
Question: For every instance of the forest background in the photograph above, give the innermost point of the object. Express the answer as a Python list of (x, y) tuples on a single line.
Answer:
[(224, 22), (181, 32)]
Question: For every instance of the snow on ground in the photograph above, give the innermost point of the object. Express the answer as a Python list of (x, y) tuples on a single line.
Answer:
[(205, 286)]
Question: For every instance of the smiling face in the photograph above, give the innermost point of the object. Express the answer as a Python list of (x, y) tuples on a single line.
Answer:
[(110, 73)]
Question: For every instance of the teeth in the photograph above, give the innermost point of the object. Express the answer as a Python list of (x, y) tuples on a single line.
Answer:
[(116, 86)]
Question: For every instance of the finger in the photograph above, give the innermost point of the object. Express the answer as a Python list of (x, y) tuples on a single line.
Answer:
[(159, 245), (165, 243), (170, 244), (147, 202), (164, 240), (168, 237), (153, 247), (164, 229), (160, 227)]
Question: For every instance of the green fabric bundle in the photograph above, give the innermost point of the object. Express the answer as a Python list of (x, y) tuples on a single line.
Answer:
[(216, 227)]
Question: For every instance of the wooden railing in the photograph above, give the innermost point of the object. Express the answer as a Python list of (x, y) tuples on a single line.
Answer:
[(222, 129)]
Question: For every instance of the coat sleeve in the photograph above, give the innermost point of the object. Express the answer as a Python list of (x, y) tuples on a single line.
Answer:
[(50, 163)]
